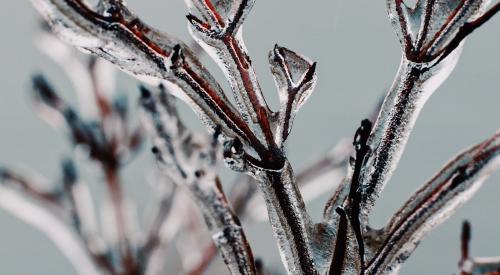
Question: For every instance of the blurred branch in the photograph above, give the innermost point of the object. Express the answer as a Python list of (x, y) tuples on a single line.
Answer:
[(49, 222), (190, 161)]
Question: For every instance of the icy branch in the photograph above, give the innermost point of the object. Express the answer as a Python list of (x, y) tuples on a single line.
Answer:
[(426, 32), (434, 202), (432, 29), (107, 141), (221, 37)]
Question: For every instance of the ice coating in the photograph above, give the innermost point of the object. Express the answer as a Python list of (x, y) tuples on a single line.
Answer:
[(145, 53), (222, 38), (411, 89), (253, 135), (427, 30), (295, 77), (435, 202)]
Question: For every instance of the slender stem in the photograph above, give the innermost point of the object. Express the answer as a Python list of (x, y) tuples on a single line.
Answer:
[(231, 54), (413, 86), (289, 220), (405, 104), (464, 246), (468, 28), (227, 233), (434, 202), (341, 244)]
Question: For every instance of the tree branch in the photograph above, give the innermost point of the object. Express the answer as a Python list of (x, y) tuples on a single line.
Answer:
[(434, 202), (222, 38)]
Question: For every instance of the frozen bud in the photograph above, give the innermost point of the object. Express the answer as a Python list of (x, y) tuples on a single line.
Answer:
[(295, 77)]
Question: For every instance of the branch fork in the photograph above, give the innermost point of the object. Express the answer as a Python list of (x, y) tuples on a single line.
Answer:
[(433, 29)]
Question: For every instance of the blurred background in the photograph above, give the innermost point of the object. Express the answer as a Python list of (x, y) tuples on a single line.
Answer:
[(357, 54)]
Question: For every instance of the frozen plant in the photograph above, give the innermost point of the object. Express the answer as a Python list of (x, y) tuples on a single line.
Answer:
[(250, 138)]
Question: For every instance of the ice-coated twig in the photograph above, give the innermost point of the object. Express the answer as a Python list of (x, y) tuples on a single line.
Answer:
[(342, 153), (295, 77), (81, 132), (433, 203), (432, 29), (93, 81), (426, 32), (221, 36), (350, 212), (190, 160)]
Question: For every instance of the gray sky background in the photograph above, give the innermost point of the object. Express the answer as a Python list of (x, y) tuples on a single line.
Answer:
[(357, 54)]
